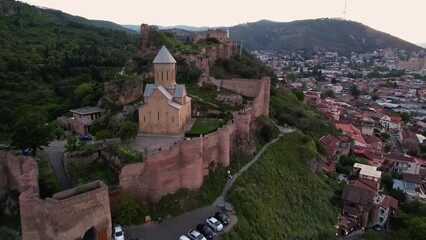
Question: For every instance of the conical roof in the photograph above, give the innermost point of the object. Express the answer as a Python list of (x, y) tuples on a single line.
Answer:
[(164, 56)]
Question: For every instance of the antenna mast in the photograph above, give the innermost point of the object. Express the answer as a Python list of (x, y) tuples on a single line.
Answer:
[(344, 11)]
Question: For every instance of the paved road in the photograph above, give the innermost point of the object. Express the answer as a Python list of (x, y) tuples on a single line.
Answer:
[(175, 227), (172, 228), (55, 152)]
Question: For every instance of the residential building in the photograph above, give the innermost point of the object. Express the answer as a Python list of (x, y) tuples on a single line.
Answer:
[(81, 120)]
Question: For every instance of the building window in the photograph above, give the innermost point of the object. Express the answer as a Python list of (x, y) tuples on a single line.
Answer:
[(144, 118), (158, 115), (172, 119), (162, 76)]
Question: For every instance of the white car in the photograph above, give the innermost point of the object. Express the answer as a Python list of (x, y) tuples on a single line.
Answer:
[(214, 224), (195, 235), (183, 237), (118, 233)]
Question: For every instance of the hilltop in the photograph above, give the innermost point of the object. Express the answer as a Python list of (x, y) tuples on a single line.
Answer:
[(46, 54), (328, 34)]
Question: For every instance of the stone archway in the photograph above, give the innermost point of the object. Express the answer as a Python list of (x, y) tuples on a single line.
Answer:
[(91, 234)]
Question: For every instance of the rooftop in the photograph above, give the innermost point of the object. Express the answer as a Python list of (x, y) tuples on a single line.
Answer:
[(164, 56), (87, 110), (368, 170)]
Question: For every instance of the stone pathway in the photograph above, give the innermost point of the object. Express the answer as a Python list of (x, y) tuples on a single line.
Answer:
[(55, 153)]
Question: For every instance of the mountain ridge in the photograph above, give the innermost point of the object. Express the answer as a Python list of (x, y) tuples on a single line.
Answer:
[(339, 35)]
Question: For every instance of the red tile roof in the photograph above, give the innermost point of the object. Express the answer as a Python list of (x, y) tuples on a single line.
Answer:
[(366, 184), (348, 128), (389, 202), (413, 178)]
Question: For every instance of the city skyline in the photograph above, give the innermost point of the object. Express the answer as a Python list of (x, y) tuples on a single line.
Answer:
[(401, 20)]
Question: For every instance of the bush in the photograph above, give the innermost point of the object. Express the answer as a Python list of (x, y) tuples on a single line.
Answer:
[(129, 212), (128, 131)]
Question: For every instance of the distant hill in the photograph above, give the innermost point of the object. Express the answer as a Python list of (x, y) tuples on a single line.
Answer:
[(328, 34), (423, 45), (46, 54), (183, 27)]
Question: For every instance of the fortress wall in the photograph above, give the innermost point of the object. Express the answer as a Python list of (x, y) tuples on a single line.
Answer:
[(13, 168), (83, 210), (67, 215), (181, 166), (185, 164), (256, 88)]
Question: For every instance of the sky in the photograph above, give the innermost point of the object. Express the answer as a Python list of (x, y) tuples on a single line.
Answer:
[(404, 19)]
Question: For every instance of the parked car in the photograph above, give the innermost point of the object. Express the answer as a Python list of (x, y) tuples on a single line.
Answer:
[(214, 224), (183, 237), (118, 232), (195, 235), (223, 218), (206, 231), (85, 138)]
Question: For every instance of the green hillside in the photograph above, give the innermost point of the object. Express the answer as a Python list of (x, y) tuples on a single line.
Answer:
[(46, 54), (327, 34), (279, 197)]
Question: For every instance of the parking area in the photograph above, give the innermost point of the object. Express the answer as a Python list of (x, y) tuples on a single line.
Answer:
[(175, 227)]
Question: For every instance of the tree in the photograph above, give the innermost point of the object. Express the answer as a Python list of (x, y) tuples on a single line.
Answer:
[(299, 94), (31, 132), (405, 116), (384, 136), (129, 211), (83, 90), (292, 77), (354, 91), (327, 93), (102, 134), (97, 126), (71, 145), (374, 97), (128, 131)]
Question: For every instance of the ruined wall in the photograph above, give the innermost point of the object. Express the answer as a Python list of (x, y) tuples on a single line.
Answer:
[(257, 88), (222, 51), (67, 215)]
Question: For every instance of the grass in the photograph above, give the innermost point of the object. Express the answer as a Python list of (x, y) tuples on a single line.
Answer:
[(205, 126), (209, 92), (82, 171), (281, 198), (286, 109)]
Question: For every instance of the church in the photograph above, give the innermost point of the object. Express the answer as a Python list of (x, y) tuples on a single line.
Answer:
[(167, 108)]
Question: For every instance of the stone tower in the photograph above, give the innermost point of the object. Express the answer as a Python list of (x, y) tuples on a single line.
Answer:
[(164, 68)]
